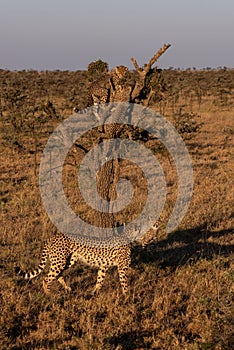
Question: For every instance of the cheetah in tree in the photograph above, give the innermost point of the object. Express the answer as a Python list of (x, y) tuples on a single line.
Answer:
[(103, 89), (117, 80)]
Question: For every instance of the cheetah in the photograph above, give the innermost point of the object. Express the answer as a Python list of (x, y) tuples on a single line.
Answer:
[(107, 89), (63, 251), (117, 80), (102, 90), (150, 237)]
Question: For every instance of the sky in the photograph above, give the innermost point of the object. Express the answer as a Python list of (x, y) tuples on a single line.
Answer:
[(69, 34)]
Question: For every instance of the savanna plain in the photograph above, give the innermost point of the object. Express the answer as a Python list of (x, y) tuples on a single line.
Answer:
[(181, 283)]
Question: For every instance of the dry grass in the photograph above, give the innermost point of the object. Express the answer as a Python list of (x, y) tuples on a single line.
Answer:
[(181, 286)]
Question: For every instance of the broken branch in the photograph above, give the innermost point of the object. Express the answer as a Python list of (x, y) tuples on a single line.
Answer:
[(148, 66)]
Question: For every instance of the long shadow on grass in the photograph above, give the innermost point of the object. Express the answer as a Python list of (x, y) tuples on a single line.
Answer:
[(130, 340), (183, 246)]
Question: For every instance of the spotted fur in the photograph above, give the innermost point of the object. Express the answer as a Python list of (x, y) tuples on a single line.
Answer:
[(102, 90), (63, 251)]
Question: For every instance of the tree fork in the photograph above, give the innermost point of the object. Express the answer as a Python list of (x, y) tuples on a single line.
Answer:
[(151, 62), (142, 72)]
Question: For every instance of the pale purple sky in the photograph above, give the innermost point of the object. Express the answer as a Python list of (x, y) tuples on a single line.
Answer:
[(69, 34)]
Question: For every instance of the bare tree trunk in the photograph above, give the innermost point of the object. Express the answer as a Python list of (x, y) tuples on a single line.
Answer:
[(108, 176), (106, 189)]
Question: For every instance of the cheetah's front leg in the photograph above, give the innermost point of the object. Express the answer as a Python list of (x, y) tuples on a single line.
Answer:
[(123, 278), (47, 283)]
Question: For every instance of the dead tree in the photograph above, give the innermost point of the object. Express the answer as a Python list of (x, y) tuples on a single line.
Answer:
[(108, 175), (143, 72)]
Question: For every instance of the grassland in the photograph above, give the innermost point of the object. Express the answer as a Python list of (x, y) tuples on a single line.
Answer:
[(181, 285)]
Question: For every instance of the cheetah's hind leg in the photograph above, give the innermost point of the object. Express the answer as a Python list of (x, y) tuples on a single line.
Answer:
[(55, 272), (100, 279), (64, 284), (46, 285)]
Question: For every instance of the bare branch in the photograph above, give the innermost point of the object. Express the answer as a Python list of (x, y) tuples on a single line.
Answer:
[(142, 72), (155, 58), (135, 64), (148, 66)]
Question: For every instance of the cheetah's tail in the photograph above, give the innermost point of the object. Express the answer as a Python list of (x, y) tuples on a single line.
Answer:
[(36, 272)]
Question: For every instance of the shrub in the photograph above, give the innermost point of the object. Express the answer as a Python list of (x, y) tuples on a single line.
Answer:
[(96, 69)]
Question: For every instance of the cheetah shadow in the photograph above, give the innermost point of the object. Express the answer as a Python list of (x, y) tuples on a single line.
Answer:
[(178, 249), (182, 247), (129, 340)]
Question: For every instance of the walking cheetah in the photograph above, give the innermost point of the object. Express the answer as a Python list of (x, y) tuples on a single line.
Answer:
[(63, 252)]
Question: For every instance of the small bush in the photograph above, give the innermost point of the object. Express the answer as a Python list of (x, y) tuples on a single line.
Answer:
[(186, 123), (96, 69)]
